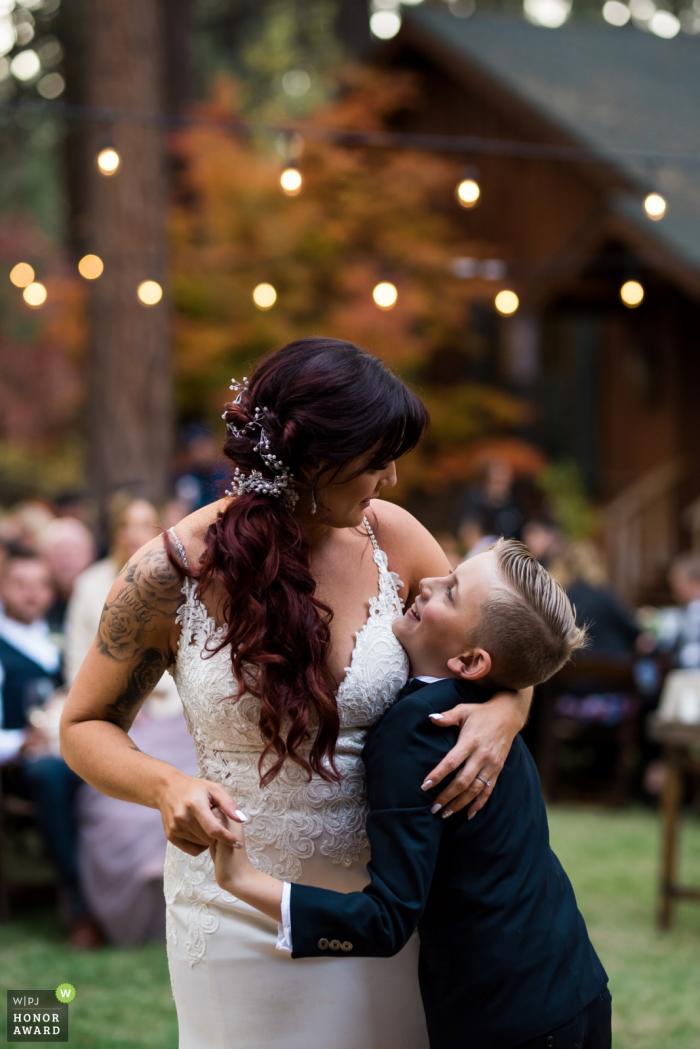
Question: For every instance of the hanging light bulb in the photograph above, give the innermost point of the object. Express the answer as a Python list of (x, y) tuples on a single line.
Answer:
[(264, 296), (632, 293), (91, 267), (468, 190), (22, 274), (149, 292), (385, 295), (655, 206), (34, 295), (506, 302), (108, 161), (385, 24), (291, 180)]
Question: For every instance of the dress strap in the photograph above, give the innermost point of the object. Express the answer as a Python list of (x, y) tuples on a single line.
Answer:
[(179, 547), (370, 533)]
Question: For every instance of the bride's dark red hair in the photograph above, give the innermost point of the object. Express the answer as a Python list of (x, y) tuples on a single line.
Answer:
[(327, 402)]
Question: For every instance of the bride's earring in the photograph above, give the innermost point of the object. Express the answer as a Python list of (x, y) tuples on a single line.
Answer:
[(314, 507)]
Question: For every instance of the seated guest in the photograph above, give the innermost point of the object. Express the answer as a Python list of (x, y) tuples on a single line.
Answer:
[(30, 664), (495, 500), (132, 523), (612, 634), (122, 846), (68, 547), (475, 534), (683, 640), (11, 739), (611, 626), (543, 539)]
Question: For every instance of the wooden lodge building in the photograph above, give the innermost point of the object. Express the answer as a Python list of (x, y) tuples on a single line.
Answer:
[(616, 389)]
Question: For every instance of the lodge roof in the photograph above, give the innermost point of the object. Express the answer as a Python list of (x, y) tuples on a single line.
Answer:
[(604, 88)]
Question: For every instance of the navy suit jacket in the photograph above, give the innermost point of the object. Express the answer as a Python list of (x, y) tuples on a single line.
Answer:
[(19, 670), (505, 955)]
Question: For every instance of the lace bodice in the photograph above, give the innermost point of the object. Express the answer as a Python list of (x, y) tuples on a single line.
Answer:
[(294, 819)]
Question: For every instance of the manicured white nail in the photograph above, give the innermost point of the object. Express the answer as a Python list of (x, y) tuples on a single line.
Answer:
[(237, 845), (435, 717), (426, 786), (471, 815), (436, 807), (446, 813), (241, 816)]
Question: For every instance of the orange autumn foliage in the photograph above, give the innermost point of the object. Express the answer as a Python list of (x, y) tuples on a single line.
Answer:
[(363, 215)]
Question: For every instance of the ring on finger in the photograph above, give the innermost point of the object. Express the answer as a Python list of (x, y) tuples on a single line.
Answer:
[(486, 782)]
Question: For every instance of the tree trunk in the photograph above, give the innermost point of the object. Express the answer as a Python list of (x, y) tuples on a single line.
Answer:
[(130, 382)]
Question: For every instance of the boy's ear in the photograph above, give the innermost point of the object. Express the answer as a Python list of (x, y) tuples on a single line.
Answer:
[(471, 665)]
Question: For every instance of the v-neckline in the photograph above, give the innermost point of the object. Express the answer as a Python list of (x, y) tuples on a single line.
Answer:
[(382, 570)]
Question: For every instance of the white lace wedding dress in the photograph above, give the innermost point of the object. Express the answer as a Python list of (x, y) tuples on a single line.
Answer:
[(232, 988)]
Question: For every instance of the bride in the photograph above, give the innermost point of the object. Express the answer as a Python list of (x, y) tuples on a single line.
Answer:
[(273, 609)]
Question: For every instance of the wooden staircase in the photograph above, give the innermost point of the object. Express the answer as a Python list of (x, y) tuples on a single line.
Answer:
[(642, 535)]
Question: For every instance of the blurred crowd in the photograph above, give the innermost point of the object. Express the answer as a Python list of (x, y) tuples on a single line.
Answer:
[(588, 725), (108, 855)]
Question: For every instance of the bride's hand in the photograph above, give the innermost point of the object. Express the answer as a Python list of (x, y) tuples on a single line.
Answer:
[(189, 806), (486, 736)]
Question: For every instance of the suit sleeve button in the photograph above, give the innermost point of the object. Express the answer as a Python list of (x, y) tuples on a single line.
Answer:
[(550, 1041), (323, 944), (334, 945), (346, 945)]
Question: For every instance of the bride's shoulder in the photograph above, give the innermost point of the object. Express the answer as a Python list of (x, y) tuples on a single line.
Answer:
[(191, 530), (409, 546)]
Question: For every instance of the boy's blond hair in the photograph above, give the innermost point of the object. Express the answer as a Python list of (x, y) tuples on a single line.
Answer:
[(528, 626)]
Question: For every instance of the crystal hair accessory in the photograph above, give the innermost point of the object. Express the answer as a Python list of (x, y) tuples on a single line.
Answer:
[(238, 388), (281, 484)]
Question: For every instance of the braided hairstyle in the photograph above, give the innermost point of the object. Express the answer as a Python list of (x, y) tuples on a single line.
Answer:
[(326, 403)]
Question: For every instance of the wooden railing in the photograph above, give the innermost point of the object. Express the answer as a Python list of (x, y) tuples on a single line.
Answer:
[(641, 532)]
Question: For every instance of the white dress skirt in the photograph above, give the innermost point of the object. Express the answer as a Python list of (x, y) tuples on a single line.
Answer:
[(233, 989)]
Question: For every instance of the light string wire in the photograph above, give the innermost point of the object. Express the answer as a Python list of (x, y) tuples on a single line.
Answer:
[(418, 141)]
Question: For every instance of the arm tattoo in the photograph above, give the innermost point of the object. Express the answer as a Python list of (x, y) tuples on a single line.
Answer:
[(150, 591), (142, 680)]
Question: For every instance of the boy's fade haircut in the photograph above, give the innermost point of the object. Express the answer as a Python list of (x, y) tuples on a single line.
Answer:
[(528, 626)]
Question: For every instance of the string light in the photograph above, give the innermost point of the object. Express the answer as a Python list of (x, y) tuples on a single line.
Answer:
[(22, 275), (108, 161), (385, 24), (291, 180), (631, 293), (468, 190), (34, 295), (616, 13), (664, 24), (655, 206), (506, 302), (149, 292), (91, 267), (549, 13), (264, 296), (385, 295)]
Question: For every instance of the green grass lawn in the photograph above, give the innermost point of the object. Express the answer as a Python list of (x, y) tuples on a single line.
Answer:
[(123, 997), (612, 860)]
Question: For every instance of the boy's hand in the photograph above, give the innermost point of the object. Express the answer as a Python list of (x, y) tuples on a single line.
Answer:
[(236, 874), (230, 861)]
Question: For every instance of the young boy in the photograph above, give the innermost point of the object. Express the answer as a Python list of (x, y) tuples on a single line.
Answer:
[(505, 957)]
